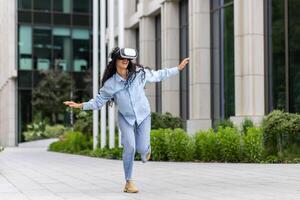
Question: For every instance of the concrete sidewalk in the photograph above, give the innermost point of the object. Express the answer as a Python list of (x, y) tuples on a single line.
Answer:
[(34, 173)]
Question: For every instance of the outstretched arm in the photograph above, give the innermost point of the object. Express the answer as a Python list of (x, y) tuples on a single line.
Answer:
[(160, 75), (105, 94)]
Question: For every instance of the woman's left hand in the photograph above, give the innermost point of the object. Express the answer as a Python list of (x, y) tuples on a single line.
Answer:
[(183, 63)]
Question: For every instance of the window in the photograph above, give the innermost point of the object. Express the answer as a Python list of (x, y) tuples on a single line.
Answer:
[(44, 5), (24, 4), (25, 48), (184, 48), (62, 6), (158, 86), (81, 6), (81, 42), (42, 48), (222, 59), (283, 48), (62, 48), (25, 111)]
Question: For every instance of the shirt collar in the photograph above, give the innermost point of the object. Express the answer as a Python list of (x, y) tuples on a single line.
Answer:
[(119, 78)]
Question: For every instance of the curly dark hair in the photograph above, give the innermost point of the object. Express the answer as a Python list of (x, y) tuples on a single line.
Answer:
[(132, 70)]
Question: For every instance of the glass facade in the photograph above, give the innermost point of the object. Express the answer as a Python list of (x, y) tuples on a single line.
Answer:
[(222, 59), (283, 47), (184, 48), (52, 35), (158, 85)]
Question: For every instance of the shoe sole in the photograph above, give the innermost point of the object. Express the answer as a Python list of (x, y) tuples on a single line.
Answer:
[(128, 191)]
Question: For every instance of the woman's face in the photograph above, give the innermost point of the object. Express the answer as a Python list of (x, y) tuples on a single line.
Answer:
[(122, 63)]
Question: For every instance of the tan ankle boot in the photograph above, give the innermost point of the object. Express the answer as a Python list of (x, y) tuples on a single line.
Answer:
[(130, 187), (148, 156)]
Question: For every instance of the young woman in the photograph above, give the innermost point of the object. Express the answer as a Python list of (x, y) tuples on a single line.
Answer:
[(123, 82)]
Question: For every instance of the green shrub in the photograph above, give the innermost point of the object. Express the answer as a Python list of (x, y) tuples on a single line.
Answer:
[(229, 142), (271, 159), (54, 131), (253, 148), (165, 121), (35, 131), (281, 132), (74, 142), (84, 122), (246, 124), (180, 146), (206, 146), (114, 153), (159, 144), (225, 123)]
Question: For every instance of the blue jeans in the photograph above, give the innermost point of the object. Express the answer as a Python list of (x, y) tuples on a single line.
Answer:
[(134, 138)]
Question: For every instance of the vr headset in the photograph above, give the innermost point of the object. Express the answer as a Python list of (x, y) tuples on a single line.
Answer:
[(127, 53)]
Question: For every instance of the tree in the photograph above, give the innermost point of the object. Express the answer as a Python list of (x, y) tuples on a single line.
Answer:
[(51, 91)]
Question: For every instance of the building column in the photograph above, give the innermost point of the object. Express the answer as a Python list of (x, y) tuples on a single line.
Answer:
[(170, 55), (199, 67), (249, 60), (147, 52), (8, 73)]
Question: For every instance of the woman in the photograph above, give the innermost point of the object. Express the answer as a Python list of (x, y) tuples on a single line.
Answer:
[(123, 82)]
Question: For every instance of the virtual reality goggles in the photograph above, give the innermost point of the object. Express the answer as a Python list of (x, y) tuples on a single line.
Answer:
[(125, 53)]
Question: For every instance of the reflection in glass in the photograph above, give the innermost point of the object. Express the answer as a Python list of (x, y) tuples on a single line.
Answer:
[(62, 48), (24, 4), (228, 62), (42, 48), (44, 5), (80, 20), (216, 67), (294, 58), (62, 6), (278, 57), (184, 74), (25, 47), (222, 61), (81, 6), (24, 16), (24, 111), (81, 42), (158, 85), (42, 18)]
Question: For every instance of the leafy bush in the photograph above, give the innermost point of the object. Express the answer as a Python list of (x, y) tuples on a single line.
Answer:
[(165, 121), (281, 132), (206, 146), (225, 123), (247, 123), (40, 130), (84, 122), (1, 148), (229, 141), (253, 148), (114, 153), (73, 142), (180, 146), (35, 131), (54, 131), (159, 144)]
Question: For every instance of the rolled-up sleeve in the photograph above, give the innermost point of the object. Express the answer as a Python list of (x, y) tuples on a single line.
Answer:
[(105, 94), (160, 75)]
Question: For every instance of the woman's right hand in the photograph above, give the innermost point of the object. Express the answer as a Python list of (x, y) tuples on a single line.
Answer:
[(72, 104)]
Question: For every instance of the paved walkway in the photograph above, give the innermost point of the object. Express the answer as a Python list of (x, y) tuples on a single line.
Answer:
[(34, 173)]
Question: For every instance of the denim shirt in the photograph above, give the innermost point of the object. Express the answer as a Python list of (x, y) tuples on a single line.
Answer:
[(131, 100)]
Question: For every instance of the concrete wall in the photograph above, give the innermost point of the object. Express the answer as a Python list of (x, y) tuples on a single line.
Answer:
[(8, 73)]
